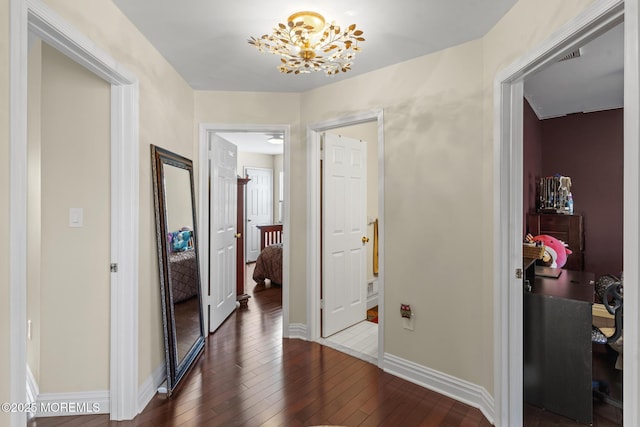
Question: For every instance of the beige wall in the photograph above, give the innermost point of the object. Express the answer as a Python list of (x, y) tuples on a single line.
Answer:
[(433, 122), (75, 279), (5, 247), (438, 167), (177, 191), (166, 120)]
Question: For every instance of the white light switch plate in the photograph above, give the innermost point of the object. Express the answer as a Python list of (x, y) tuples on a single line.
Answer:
[(75, 217)]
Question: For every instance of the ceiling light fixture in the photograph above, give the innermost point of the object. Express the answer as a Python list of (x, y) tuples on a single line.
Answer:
[(306, 43), (276, 140)]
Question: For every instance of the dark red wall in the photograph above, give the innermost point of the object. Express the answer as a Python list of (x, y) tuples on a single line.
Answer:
[(588, 148), (532, 145)]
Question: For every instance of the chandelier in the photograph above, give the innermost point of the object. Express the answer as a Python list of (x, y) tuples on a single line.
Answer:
[(306, 43)]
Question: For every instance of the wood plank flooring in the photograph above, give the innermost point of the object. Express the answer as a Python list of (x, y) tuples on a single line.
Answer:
[(250, 376)]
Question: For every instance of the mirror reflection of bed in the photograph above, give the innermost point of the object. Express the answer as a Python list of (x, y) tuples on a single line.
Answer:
[(186, 308)]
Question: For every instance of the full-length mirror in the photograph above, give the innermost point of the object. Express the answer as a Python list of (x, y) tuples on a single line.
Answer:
[(176, 234)]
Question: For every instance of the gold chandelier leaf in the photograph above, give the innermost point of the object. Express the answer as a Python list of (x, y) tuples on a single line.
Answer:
[(306, 45)]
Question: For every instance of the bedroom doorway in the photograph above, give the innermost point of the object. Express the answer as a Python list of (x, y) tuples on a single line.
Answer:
[(253, 151), (596, 20), (365, 339), (574, 128)]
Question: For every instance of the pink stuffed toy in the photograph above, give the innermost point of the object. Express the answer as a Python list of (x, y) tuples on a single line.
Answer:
[(555, 251)]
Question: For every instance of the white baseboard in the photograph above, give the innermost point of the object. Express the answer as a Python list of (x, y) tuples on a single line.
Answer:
[(32, 391), (372, 301), (149, 387), (455, 388), (298, 331), (75, 403)]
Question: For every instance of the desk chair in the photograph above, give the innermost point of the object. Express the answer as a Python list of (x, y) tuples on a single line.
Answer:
[(612, 300)]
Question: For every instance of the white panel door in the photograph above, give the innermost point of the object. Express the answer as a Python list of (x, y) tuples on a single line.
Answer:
[(222, 225), (259, 208), (344, 226)]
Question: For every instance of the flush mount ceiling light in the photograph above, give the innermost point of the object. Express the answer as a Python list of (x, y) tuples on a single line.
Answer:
[(306, 43), (276, 139)]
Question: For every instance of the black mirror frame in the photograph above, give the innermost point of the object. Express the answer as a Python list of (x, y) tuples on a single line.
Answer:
[(176, 369)]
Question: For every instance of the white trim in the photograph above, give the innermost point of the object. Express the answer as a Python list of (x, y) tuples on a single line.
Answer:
[(508, 363), (18, 43), (350, 351), (313, 220), (32, 391), (445, 384), (631, 214), (297, 331), (149, 387), (34, 16), (80, 403), (205, 131)]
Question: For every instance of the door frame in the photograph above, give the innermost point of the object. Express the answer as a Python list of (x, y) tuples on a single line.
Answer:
[(314, 238), (33, 16), (205, 132), (508, 193), (246, 204)]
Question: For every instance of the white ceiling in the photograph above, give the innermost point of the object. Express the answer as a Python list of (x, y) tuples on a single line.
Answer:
[(594, 81), (206, 42), (254, 142)]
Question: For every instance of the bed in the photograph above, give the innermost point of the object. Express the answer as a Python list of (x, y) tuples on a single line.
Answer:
[(269, 265), (184, 275)]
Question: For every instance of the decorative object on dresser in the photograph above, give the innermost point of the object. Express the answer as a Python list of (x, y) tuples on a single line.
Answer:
[(554, 195), (568, 228)]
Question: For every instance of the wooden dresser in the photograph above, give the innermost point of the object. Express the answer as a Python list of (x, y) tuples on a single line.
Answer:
[(568, 228)]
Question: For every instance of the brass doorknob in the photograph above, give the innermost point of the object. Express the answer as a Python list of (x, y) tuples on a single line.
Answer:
[(365, 239), (238, 235)]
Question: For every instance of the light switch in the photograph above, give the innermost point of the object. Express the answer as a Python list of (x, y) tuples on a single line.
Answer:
[(75, 217)]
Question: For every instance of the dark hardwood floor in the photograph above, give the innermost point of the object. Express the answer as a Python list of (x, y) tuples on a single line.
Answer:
[(250, 376)]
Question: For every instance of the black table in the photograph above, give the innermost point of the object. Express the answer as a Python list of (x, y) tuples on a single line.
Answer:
[(557, 344)]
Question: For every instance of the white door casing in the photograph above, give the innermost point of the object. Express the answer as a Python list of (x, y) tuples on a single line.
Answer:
[(259, 208), (223, 229), (595, 20), (35, 17), (344, 227)]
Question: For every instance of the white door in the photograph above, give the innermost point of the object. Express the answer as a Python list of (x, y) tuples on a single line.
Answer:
[(344, 226), (259, 208), (222, 223)]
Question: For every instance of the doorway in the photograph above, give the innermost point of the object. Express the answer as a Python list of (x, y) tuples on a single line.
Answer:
[(123, 383), (207, 133), (259, 200), (508, 196), (314, 239)]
